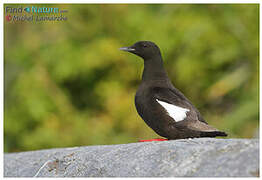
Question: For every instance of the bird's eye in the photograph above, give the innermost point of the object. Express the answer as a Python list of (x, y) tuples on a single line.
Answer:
[(144, 45)]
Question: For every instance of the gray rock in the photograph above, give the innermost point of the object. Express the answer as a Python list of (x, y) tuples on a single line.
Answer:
[(204, 157)]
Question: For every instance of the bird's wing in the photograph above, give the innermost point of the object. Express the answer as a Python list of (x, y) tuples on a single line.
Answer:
[(184, 114), (200, 126), (181, 95), (177, 107)]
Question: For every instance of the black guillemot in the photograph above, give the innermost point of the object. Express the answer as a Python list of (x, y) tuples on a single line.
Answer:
[(163, 107)]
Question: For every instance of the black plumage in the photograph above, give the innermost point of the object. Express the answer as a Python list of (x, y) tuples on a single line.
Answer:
[(163, 107)]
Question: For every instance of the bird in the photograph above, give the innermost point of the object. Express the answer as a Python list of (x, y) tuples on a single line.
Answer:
[(162, 106)]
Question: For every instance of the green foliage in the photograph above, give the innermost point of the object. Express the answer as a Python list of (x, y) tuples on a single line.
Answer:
[(67, 84)]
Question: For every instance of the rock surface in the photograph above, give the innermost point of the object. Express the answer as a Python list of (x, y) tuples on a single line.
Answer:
[(204, 157)]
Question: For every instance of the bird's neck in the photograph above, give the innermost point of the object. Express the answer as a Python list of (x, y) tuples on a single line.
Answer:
[(154, 69)]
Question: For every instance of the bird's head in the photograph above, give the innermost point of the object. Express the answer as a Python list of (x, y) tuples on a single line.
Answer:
[(143, 49)]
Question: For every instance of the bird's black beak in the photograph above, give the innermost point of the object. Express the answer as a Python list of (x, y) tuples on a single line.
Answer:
[(128, 49)]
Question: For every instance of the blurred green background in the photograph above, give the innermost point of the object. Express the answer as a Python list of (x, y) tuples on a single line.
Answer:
[(67, 84)]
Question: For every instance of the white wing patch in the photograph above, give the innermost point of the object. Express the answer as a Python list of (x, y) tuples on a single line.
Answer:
[(176, 112)]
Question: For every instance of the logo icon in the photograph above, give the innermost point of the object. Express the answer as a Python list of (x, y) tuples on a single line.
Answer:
[(8, 17), (27, 9)]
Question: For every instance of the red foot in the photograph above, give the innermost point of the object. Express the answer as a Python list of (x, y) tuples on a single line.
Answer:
[(149, 140)]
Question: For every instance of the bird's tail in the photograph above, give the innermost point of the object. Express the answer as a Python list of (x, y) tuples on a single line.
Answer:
[(213, 134)]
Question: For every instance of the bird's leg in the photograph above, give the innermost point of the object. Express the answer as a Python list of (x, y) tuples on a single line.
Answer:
[(149, 140)]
